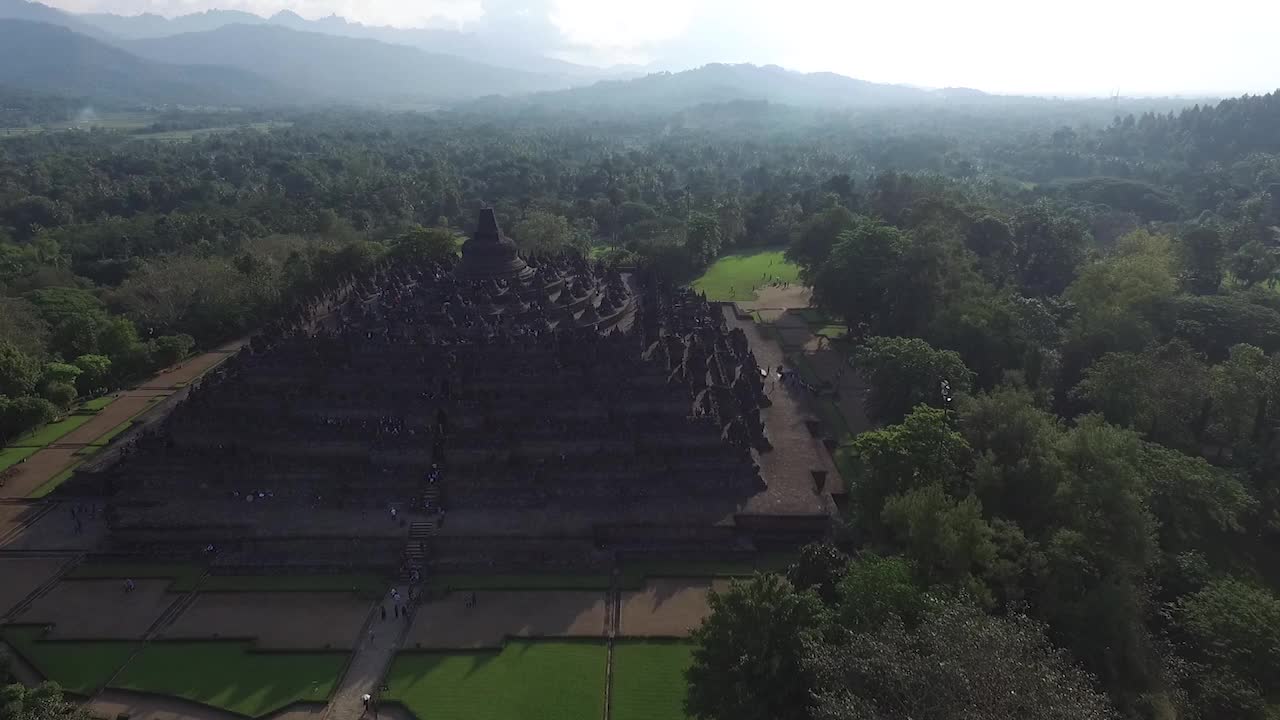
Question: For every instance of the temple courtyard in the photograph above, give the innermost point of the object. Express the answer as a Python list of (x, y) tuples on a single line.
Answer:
[(499, 490)]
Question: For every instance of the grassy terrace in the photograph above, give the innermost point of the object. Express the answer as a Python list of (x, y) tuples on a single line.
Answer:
[(526, 680), (52, 432), (231, 676), (648, 679), (224, 674), (12, 456), (97, 404), (82, 667), (732, 277)]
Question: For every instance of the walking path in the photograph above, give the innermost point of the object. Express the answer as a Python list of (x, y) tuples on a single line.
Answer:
[(380, 639), (61, 455)]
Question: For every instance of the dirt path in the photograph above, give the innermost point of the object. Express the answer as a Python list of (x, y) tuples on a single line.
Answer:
[(49, 462)]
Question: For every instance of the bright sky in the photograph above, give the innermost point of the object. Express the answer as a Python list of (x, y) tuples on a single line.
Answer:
[(1066, 47)]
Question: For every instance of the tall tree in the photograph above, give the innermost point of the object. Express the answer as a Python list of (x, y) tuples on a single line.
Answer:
[(748, 662), (906, 372)]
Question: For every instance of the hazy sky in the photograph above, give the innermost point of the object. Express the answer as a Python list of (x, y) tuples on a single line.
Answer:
[(1068, 47)]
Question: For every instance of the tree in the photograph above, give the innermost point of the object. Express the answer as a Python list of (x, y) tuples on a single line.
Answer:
[(117, 336), (42, 702), (702, 238), (19, 415), (1198, 505), (60, 373), (1116, 297), (813, 244), (76, 335), (747, 663), (856, 281), (1235, 625), (421, 244), (1254, 263), (59, 394), (18, 372), (948, 538), (21, 324), (819, 567), (906, 372), (543, 233), (1016, 468), (1048, 247), (1242, 390), (171, 349), (958, 663), (95, 373), (991, 239), (876, 590), (923, 450), (1104, 495), (1203, 258), (1159, 392)]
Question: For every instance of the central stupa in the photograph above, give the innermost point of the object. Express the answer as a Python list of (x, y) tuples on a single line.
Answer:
[(490, 255)]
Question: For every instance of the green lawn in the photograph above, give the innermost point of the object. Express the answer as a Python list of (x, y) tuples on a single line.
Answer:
[(97, 404), (10, 456), (51, 432), (229, 675), (363, 584), (184, 576), (520, 582), (81, 667), (648, 679), (731, 277), (527, 680)]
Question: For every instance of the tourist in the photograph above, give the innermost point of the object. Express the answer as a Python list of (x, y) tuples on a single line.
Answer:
[(384, 612)]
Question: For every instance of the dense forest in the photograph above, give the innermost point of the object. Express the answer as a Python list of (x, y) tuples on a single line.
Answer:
[(1068, 321)]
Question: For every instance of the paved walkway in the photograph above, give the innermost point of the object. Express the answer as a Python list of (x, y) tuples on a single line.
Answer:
[(50, 462), (379, 641)]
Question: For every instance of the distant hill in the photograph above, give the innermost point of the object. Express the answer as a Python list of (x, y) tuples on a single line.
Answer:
[(146, 25), (54, 60), (36, 12), (466, 45), (718, 83), (343, 69)]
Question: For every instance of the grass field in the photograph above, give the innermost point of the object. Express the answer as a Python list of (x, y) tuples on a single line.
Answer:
[(184, 577), (97, 404), (732, 276), (229, 675), (648, 679), (81, 667), (51, 432), (526, 680), (10, 456), (364, 584)]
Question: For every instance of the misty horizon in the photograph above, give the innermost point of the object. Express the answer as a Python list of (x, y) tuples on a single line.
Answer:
[(1137, 50)]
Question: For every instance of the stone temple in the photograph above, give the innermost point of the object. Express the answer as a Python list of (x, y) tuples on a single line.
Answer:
[(501, 414)]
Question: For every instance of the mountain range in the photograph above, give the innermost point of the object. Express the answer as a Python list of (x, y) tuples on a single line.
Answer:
[(232, 57), (54, 60)]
